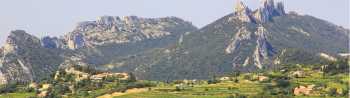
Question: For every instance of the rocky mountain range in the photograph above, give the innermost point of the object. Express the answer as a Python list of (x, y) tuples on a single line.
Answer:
[(243, 41), (171, 48), (26, 58)]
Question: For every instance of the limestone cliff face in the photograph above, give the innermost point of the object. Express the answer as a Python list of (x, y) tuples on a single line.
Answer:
[(263, 50), (23, 59), (243, 13), (100, 42), (51, 42), (75, 41), (121, 30), (242, 35)]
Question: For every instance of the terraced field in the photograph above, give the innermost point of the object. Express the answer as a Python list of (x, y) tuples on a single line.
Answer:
[(245, 85), (229, 89), (220, 90)]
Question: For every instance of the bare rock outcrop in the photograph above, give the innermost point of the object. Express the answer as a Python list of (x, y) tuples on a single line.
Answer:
[(264, 13), (263, 50), (121, 30), (243, 13)]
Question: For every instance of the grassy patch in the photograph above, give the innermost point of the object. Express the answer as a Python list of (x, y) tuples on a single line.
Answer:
[(17, 95)]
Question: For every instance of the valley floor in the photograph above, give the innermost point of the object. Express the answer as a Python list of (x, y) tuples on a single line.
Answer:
[(219, 90), (302, 82)]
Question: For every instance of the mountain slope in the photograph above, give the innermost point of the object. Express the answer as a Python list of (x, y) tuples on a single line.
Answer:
[(26, 58), (170, 48), (23, 59), (242, 41), (110, 38)]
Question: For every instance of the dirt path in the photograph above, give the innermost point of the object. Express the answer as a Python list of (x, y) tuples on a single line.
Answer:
[(129, 91)]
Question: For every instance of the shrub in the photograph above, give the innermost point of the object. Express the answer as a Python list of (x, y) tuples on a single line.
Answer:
[(241, 96), (247, 77), (140, 85), (9, 88), (132, 77), (345, 92), (110, 79), (60, 90), (83, 83), (282, 83), (178, 88), (178, 82), (332, 92), (214, 81), (83, 93), (236, 80), (340, 66), (231, 96)]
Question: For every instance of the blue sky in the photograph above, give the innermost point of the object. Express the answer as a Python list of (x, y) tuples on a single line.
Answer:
[(56, 17)]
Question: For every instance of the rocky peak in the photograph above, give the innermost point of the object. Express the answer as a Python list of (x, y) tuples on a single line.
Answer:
[(107, 20), (267, 10), (20, 36), (117, 30), (268, 4), (19, 39), (243, 12), (75, 40), (113, 20), (280, 8), (240, 7), (131, 19), (24, 59), (51, 42)]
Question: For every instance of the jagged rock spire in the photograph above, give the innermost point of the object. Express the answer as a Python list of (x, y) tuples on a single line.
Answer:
[(243, 12), (280, 8), (268, 10), (264, 13), (240, 6), (51, 42), (268, 3), (75, 41)]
